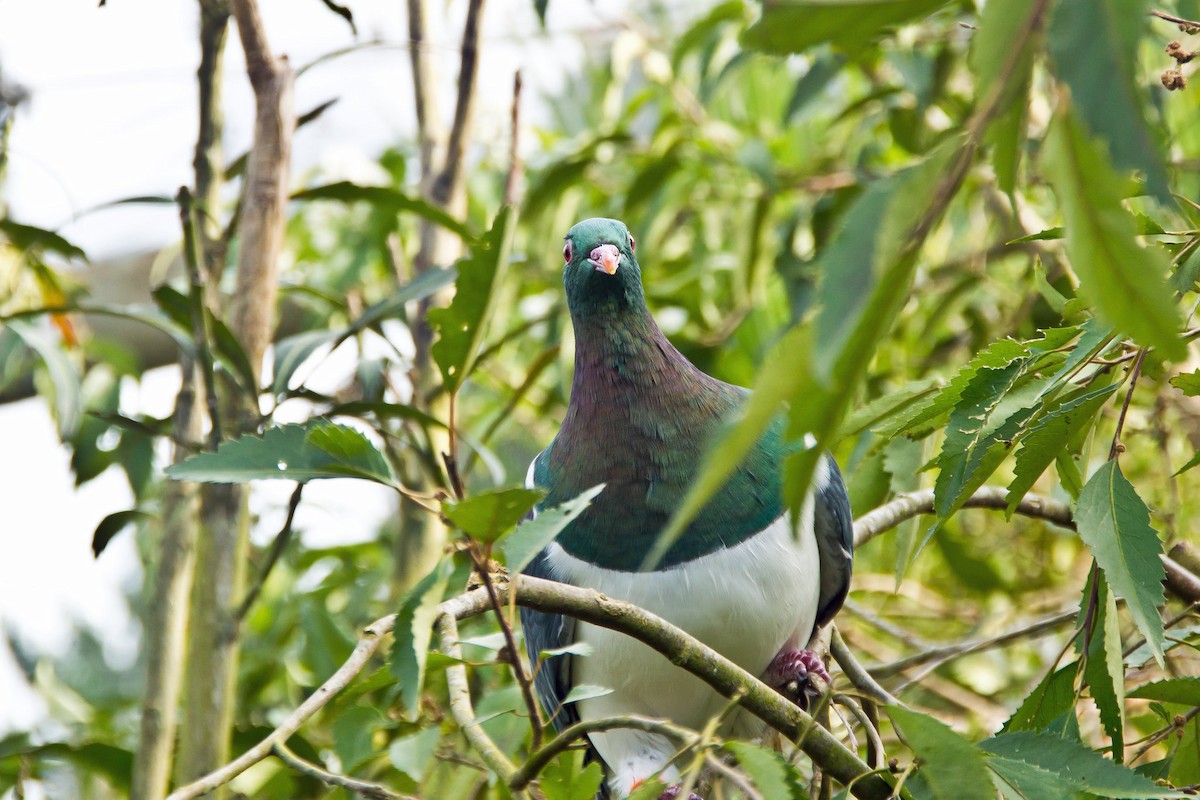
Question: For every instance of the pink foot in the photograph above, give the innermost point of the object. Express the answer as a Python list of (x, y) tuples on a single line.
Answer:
[(788, 673), (672, 793)]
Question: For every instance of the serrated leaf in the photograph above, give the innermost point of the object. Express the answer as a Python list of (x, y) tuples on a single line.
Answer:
[(766, 769), (1050, 699), (1079, 767), (1104, 667), (318, 449), (413, 754), (952, 767), (566, 778), (1047, 438), (1093, 48), (1188, 383), (1185, 691), (975, 444), (1125, 280), (797, 25), (887, 406), (1115, 524), (462, 325), (1020, 781), (488, 515), (113, 524), (532, 535), (381, 411), (354, 735), (385, 197), (413, 632)]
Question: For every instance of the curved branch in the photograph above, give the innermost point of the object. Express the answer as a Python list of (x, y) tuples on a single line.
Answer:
[(681, 649), (362, 788), (1180, 581)]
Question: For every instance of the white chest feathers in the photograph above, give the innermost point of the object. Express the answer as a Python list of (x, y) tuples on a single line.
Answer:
[(746, 602)]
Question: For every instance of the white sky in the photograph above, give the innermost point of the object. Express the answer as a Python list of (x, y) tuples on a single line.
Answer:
[(112, 115)]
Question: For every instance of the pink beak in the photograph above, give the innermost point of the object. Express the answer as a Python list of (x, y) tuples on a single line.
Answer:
[(605, 258)]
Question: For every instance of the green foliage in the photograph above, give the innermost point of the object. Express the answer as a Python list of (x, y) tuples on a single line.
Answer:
[(952, 767), (489, 515), (320, 449), (532, 535), (1115, 523)]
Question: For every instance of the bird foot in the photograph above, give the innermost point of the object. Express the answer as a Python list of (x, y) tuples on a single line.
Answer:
[(789, 674), (674, 793)]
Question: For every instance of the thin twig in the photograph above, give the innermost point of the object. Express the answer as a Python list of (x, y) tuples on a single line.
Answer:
[(869, 726), (278, 545), (480, 560), (1184, 24), (1134, 373), (516, 167), (733, 776), (363, 788), (528, 772), (450, 179), (858, 675)]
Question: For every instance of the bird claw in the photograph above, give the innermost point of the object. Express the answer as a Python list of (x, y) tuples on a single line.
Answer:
[(672, 793), (790, 673)]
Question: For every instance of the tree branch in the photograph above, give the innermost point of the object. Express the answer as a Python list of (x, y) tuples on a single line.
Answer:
[(362, 788), (590, 606)]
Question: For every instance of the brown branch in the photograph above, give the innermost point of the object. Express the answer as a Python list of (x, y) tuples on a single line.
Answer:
[(1185, 25), (516, 167), (1135, 371), (449, 181), (590, 606), (361, 788), (278, 545), (858, 675)]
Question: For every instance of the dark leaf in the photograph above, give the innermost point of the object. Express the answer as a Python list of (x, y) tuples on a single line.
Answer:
[(113, 524)]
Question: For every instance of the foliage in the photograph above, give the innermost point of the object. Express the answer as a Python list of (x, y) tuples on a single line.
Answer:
[(949, 241)]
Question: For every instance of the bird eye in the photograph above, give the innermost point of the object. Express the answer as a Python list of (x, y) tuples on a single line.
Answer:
[(632, 243), (567, 252)]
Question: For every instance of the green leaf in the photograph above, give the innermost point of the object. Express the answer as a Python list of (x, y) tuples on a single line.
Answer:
[(1079, 767), (113, 524), (532, 535), (1047, 235), (765, 768), (1123, 279), (1185, 766), (1104, 666), (793, 26), (387, 198), (413, 632), (1017, 780), (887, 406), (488, 515), (1093, 48), (976, 435), (951, 766), (424, 285), (37, 240), (462, 325), (293, 351), (1185, 691), (354, 736), (1049, 700), (1115, 524), (1047, 438), (64, 377), (413, 754), (319, 449), (227, 350), (566, 778), (1188, 383)]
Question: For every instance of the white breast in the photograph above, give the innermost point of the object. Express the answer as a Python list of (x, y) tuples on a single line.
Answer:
[(746, 602)]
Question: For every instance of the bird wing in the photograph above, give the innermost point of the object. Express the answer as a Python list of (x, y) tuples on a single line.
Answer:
[(543, 631), (834, 528), (552, 676)]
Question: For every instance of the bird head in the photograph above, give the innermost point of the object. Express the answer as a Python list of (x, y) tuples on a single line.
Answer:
[(599, 268)]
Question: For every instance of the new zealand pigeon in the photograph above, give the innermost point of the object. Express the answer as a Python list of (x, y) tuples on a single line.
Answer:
[(639, 420)]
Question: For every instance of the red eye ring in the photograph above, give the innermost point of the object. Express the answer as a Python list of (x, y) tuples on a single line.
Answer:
[(632, 243), (567, 253)]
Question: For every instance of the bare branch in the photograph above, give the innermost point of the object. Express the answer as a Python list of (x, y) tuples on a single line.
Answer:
[(857, 674), (362, 788)]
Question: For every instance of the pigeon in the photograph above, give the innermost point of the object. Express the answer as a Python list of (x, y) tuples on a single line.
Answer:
[(745, 577)]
